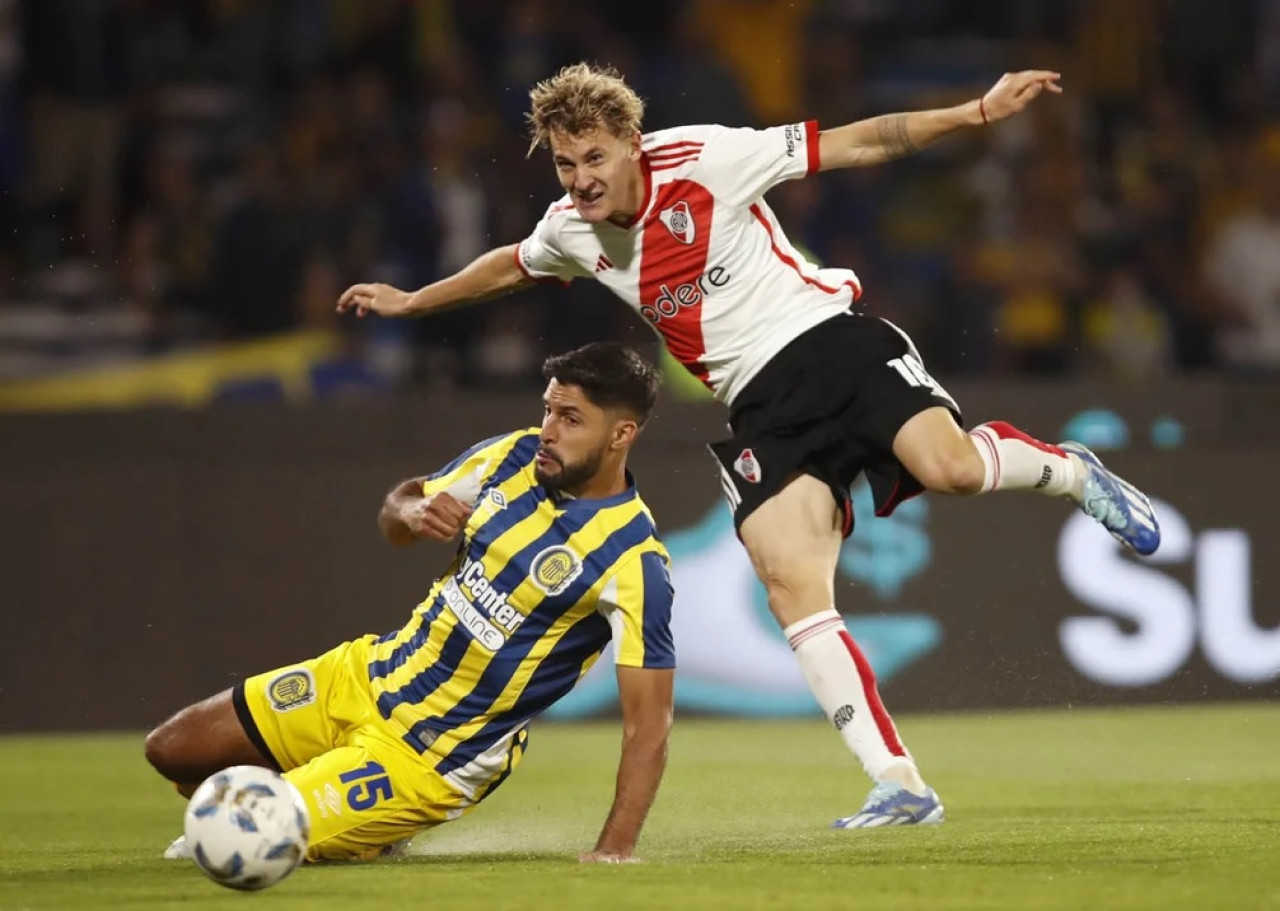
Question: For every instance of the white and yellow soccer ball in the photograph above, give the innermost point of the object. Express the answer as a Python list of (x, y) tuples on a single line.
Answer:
[(246, 827)]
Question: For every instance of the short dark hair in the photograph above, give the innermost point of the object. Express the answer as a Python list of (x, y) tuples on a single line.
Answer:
[(611, 375)]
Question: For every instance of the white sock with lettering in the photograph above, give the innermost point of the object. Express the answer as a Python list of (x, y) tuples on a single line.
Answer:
[(845, 686), (1015, 461)]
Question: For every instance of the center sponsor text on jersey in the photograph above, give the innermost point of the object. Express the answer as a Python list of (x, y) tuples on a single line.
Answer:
[(481, 607), (690, 294)]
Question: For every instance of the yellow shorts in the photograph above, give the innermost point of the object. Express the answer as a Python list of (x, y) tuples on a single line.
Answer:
[(365, 787)]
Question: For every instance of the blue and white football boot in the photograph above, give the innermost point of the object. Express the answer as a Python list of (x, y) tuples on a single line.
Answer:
[(1123, 509), (890, 804)]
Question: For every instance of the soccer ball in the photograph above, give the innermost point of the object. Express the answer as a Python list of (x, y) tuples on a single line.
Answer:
[(246, 827)]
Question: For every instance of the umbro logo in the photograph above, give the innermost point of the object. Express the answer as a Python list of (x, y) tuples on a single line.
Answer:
[(603, 263)]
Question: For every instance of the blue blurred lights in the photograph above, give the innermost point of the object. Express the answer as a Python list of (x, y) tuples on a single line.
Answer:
[(1097, 428)]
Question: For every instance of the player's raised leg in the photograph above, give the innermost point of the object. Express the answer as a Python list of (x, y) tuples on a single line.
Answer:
[(999, 456), (794, 541)]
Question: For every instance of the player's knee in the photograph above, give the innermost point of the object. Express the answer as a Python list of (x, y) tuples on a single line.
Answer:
[(792, 586), (157, 750), (165, 750)]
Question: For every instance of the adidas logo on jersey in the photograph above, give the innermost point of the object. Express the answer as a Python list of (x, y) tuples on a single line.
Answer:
[(602, 263), (679, 221)]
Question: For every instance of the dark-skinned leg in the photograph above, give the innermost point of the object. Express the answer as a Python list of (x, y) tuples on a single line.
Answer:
[(202, 739)]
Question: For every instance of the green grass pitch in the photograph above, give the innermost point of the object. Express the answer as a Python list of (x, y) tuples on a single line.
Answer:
[(1140, 808)]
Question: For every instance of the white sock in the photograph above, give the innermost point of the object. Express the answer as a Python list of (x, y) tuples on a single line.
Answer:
[(1015, 461), (843, 682)]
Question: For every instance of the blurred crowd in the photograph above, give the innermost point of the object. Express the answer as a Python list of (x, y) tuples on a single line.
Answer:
[(176, 174)]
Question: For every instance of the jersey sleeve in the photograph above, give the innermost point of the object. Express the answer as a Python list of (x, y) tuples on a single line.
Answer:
[(464, 477), (540, 256), (637, 603), (740, 164)]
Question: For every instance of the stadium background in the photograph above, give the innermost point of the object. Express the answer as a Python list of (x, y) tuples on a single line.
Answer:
[(193, 445)]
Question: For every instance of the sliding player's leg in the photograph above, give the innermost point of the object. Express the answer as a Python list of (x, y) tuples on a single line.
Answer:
[(201, 739), (370, 796), (367, 790), (280, 719)]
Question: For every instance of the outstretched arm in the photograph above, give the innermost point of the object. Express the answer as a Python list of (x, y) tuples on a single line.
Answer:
[(490, 275), (646, 695), (880, 139)]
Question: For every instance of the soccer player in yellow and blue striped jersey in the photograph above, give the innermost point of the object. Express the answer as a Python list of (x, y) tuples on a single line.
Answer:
[(388, 735)]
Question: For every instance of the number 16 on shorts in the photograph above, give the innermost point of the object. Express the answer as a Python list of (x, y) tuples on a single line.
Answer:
[(910, 369)]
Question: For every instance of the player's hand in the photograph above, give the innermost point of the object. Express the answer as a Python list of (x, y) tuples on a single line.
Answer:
[(374, 297), (1015, 91), (606, 857), (439, 517)]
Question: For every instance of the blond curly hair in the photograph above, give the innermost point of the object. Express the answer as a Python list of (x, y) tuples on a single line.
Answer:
[(581, 98)]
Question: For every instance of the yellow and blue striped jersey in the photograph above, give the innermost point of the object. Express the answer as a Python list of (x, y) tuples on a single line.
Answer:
[(539, 586)]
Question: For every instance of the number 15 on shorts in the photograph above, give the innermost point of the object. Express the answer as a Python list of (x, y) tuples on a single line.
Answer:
[(369, 784)]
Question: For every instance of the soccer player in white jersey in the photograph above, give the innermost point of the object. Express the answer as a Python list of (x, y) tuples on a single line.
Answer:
[(675, 223)]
